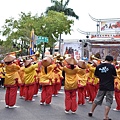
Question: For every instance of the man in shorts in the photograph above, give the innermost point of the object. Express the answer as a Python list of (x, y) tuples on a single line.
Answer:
[(106, 73)]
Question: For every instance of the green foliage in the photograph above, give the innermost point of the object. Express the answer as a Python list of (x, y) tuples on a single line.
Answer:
[(54, 23), (61, 6)]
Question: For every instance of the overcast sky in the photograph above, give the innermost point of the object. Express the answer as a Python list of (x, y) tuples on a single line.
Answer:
[(99, 9)]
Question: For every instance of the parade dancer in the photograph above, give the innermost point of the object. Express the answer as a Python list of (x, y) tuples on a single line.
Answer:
[(117, 88), (46, 80), (91, 80), (22, 85), (2, 74), (70, 87), (57, 76), (29, 78), (81, 82), (12, 79), (37, 85)]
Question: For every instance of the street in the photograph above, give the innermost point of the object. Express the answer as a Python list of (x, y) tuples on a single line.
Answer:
[(54, 111)]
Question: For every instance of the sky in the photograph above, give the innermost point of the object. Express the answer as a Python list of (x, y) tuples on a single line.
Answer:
[(99, 9)]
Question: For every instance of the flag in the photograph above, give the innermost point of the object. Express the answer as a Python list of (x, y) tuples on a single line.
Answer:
[(32, 42)]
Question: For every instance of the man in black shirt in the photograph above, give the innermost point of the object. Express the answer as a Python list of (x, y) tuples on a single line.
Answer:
[(106, 73)]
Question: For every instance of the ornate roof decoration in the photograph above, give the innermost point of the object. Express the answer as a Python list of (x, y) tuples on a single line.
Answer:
[(104, 20)]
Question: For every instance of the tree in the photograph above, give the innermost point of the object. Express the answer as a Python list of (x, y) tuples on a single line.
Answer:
[(44, 25), (60, 6), (55, 23)]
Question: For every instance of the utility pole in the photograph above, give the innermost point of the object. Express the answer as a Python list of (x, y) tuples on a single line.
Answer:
[(60, 44)]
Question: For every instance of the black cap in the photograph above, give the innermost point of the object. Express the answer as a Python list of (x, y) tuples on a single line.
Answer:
[(109, 58)]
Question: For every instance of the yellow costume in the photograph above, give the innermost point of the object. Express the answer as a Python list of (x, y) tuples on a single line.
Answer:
[(12, 74), (70, 78)]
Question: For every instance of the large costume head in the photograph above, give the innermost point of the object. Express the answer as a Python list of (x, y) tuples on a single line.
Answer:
[(9, 58), (71, 61), (47, 61), (82, 64), (27, 62)]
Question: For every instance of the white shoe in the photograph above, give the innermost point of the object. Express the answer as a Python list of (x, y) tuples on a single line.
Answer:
[(90, 102), (33, 100), (21, 97), (47, 104), (116, 110), (14, 106), (66, 112), (35, 95), (73, 112), (41, 103), (7, 106)]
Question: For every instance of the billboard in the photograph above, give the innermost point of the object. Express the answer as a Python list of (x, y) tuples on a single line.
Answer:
[(110, 26), (73, 48)]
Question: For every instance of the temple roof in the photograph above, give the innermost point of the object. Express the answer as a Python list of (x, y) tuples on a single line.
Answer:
[(104, 20)]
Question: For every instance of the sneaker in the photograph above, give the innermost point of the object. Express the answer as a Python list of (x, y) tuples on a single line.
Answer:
[(116, 110), (33, 100), (21, 97), (66, 111), (14, 106), (7, 106), (35, 95), (90, 102), (41, 103), (73, 112), (87, 97), (90, 114), (47, 103)]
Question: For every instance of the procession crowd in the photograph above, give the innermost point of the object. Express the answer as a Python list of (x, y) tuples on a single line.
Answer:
[(81, 80)]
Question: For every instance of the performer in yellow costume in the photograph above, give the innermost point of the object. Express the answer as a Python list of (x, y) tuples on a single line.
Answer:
[(22, 85), (2, 73), (71, 85), (46, 80), (12, 80), (117, 88), (82, 81), (57, 76), (29, 78), (92, 80)]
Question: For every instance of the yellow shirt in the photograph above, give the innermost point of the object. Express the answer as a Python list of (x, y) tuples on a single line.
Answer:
[(91, 77), (21, 73), (47, 79), (29, 74), (2, 70), (82, 77), (117, 80), (71, 78), (12, 74)]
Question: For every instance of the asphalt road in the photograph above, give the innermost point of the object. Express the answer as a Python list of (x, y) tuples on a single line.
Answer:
[(55, 111)]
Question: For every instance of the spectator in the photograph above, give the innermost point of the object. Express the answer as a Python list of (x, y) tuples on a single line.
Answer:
[(106, 72)]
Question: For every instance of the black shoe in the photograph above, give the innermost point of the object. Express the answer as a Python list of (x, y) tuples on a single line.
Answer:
[(90, 114)]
